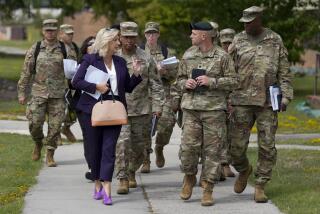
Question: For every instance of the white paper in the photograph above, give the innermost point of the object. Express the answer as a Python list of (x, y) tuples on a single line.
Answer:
[(169, 62), (96, 76), (70, 67), (274, 92)]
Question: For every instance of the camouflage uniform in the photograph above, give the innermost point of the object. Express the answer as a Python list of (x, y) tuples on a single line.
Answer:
[(204, 118), (135, 135), (260, 62), (167, 119), (70, 114), (226, 35), (47, 96)]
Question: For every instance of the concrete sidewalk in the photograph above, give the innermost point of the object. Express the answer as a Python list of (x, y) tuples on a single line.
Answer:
[(65, 190)]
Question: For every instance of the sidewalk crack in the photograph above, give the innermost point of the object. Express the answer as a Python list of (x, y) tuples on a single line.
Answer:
[(146, 197)]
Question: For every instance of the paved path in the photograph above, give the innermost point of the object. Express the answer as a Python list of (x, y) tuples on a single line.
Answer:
[(64, 190)]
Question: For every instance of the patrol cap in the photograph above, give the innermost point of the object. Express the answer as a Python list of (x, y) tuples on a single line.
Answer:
[(215, 30), (128, 29), (227, 35), (250, 14), (67, 28), (152, 26), (205, 26), (50, 24)]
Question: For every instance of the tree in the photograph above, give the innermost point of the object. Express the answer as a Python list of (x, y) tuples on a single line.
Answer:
[(295, 24)]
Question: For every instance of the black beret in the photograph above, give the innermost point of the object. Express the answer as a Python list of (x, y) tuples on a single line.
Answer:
[(205, 26)]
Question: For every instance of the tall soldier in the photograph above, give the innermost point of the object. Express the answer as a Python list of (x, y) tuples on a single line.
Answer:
[(167, 121), (43, 70), (135, 135), (205, 76), (66, 36), (226, 36), (261, 61)]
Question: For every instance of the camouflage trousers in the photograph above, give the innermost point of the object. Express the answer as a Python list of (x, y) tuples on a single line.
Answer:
[(131, 145), (242, 121), (203, 133), (37, 110), (165, 125), (225, 158)]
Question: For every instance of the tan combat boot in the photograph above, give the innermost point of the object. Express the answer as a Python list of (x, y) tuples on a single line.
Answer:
[(132, 180), (36, 154), (160, 161), (146, 165), (227, 171), (123, 187), (69, 135), (50, 161), (207, 199), (188, 183), (242, 180), (259, 195)]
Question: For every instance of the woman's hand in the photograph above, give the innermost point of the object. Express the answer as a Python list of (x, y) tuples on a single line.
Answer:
[(102, 87), (136, 66)]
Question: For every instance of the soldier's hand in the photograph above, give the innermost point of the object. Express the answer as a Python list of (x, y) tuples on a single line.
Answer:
[(22, 100), (203, 80), (136, 66), (191, 84), (102, 87), (160, 69), (283, 107)]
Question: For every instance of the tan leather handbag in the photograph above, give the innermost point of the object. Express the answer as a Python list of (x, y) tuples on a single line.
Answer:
[(109, 113)]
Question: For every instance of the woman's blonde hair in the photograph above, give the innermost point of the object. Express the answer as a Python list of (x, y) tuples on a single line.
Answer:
[(104, 36)]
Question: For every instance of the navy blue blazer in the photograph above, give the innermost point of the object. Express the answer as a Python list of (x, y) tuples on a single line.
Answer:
[(125, 82)]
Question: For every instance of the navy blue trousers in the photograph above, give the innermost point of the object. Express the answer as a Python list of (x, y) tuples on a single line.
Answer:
[(102, 142)]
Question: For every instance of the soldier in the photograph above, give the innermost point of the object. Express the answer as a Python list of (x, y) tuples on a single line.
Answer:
[(215, 32), (226, 38), (43, 69), (205, 76), (66, 36), (135, 135), (261, 61), (166, 122)]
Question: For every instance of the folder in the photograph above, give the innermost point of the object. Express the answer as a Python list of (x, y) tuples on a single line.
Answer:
[(154, 123), (96, 76), (275, 97), (196, 72)]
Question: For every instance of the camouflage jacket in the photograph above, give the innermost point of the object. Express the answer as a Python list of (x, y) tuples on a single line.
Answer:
[(218, 65), (72, 53), (260, 63), (168, 78), (48, 80), (138, 101)]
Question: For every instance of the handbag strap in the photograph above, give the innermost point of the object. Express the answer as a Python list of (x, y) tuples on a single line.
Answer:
[(112, 94)]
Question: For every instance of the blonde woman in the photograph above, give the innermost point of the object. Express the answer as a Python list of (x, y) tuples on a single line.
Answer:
[(103, 139)]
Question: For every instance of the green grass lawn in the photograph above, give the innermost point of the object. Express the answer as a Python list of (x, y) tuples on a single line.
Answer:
[(295, 181), (10, 68), (17, 171)]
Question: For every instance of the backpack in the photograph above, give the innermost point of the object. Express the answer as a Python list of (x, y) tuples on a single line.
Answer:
[(37, 51), (164, 49)]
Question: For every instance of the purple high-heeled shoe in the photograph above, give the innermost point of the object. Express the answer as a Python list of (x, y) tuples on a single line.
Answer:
[(98, 195), (107, 200)]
